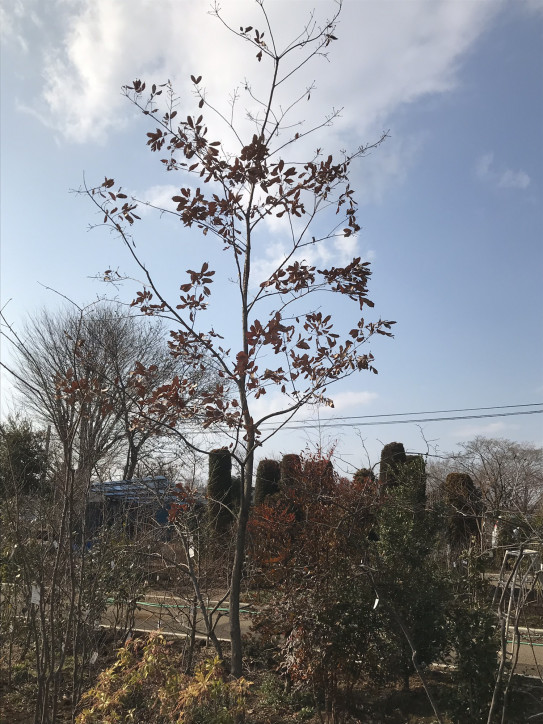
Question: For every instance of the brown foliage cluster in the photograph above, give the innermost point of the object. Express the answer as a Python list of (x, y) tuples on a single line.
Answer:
[(316, 513)]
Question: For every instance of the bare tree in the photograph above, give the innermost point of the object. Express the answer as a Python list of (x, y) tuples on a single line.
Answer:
[(508, 474), (76, 370)]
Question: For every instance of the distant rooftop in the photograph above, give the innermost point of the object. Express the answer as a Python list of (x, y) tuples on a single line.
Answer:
[(136, 489)]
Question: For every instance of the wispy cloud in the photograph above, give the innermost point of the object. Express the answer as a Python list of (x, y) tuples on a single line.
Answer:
[(386, 168), (490, 428), (487, 170), (534, 6), (352, 399), (276, 252), (105, 44), (343, 401), (514, 180), (483, 165), (345, 248), (16, 21), (88, 49), (159, 196), (269, 403)]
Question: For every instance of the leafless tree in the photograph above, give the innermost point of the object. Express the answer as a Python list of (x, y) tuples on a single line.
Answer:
[(54, 587), (508, 474), (76, 370)]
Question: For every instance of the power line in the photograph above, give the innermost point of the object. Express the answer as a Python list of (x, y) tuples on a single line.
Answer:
[(332, 423), (351, 421), (422, 412)]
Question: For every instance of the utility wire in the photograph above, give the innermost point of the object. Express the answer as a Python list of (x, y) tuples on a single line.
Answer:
[(351, 421), (421, 412), (332, 421)]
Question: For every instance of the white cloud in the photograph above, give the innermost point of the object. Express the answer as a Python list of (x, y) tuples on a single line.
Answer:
[(346, 248), (490, 428), (482, 167), (12, 15), (514, 179), (535, 6), (264, 266), (375, 174), (271, 402), (389, 54), (318, 255), (485, 169), (159, 196), (349, 399), (338, 251)]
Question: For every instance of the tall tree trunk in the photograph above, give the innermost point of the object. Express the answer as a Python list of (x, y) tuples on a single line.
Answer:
[(239, 558)]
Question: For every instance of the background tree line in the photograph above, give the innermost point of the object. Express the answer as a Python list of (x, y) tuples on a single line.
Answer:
[(75, 374)]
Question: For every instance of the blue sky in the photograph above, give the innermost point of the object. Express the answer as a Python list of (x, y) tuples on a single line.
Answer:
[(451, 205)]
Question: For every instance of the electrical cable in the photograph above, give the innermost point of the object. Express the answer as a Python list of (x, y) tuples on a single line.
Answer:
[(422, 412), (332, 423), (351, 421), (439, 412)]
